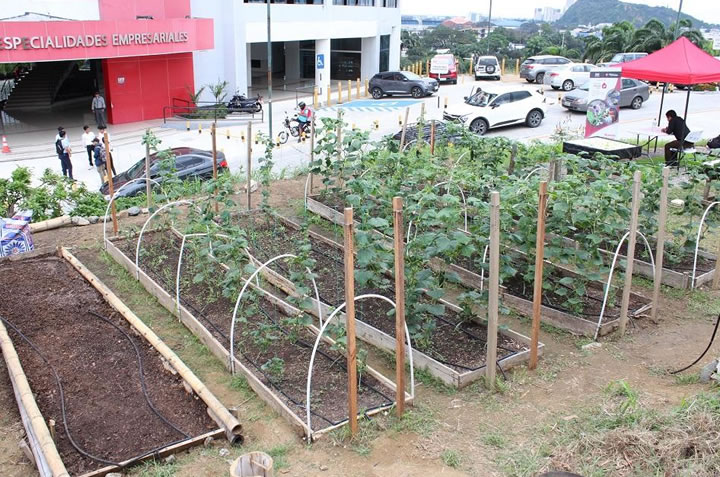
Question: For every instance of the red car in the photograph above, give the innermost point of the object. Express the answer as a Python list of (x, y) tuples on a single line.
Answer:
[(444, 68)]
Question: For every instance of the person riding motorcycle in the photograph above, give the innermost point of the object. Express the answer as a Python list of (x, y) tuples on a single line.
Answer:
[(304, 117)]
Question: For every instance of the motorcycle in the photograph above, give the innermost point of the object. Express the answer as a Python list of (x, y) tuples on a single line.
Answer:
[(290, 128), (242, 104)]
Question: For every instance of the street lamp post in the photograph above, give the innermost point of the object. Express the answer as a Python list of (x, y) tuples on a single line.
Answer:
[(487, 34), (269, 74), (677, 22)]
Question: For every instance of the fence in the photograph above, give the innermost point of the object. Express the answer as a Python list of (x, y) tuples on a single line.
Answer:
[(184, 110)]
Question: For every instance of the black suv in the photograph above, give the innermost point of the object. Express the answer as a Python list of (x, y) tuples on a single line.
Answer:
[(401, 82)]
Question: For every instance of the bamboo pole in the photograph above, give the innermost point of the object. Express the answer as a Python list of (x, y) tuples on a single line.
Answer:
[(493, 289), (249, 167), (399, 305), (147, 172), (219, 413), (111, 186), (404, 128), (630, 253), (662, 219), (350, 320), (50, 224), (213, 133), (539, 257), (28, 406)]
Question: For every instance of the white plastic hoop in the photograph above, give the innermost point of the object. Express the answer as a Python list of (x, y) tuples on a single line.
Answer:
[(142, 231), (317, 343), (697, 244), (247, 282), (534, 171), (107, 209)]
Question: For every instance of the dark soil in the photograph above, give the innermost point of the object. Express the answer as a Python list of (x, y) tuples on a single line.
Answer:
[(262, 333), (454, 342), (107, 414), (684, 264)]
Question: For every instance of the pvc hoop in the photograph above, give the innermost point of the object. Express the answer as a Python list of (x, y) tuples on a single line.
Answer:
[(697, 244), (247, 282), (317, 343), (534, 171), (142, 231), (107, 209)]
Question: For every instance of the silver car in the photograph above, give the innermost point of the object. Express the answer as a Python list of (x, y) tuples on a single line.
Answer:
[(633, 94)]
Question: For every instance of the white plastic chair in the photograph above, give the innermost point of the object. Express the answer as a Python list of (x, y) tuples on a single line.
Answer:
[(692, 137)]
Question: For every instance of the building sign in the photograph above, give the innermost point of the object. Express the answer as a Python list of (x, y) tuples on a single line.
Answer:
[(603, 101), (320, 61), (73, 40)]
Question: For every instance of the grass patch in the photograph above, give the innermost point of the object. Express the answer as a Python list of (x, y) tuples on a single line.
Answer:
[(684, 379), (157, 469), (420, 420), (360, 443), (451, 458), (279, 454), (494, 439), (424, 377)]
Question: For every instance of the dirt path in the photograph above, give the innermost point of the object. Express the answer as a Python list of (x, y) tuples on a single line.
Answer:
[(447, 433)]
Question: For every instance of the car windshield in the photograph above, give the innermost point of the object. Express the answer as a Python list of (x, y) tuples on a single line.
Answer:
[(617, 58), (137, 170), (480, 98), (487, 61), (411, 76)]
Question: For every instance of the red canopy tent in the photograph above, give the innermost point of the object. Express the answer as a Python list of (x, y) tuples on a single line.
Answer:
[(681, 62)]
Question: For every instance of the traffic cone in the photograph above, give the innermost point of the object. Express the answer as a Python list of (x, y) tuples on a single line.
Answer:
[(5, 147)]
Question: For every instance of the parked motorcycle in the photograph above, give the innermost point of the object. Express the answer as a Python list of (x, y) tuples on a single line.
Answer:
[(290, 128), (242, 104)]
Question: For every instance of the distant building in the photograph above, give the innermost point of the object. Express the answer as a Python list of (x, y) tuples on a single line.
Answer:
[(421, 22), (547, 14), (458, 23)]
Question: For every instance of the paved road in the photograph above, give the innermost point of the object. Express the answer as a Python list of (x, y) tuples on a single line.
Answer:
[(703, 114)]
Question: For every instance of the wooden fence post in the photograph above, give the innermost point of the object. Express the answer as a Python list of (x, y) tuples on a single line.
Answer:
[(432, 137), (350, 320), (213, 133), (539, 257), (513, 155), (111, 186), (399, 304), (630, 253), (312, 150), (404, 128), (249, 166), (662, 219), (148, 190), (493, 289)]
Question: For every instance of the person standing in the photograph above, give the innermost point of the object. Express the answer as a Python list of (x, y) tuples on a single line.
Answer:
[(101, 136), (677, 127), (87, 140), (98, 108), (100, 164), (62, 147)]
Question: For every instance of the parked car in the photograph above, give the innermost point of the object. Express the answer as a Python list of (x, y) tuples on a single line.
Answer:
[(569, 76), (497, 106), (391, 83), (444, 68), (535, 67), (190, 163), (622, 58), (633, 94), (487, 67)]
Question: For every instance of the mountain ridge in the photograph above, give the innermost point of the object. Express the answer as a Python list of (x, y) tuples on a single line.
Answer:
[(585, 12)]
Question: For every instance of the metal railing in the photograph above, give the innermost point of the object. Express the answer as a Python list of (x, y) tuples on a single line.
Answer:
[(184, 110)]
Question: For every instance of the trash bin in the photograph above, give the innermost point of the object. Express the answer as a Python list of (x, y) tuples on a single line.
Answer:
[(254, 464)]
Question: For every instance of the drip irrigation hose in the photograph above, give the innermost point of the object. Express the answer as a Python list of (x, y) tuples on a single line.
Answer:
[(64, 413), (712, 338)]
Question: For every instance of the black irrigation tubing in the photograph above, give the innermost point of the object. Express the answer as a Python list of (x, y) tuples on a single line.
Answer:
[(58, 382), (712, 338)]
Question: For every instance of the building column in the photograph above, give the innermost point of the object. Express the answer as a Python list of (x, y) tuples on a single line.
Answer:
[(322, 76), (370, 59), (394, 63), (292, 60)]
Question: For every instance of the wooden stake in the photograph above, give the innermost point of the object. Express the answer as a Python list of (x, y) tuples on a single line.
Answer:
[(249, 167), (662, 219), (213, 133), (148, 191), (350, 320), (51, 428), (716, 273), (312, 150), (630, 253), (432, 137), (404, 128), (539, 257), (493, 289), (513, 155), (111, 186), (399, 304)]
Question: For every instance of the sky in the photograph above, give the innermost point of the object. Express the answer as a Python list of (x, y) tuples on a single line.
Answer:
[(706, 10)]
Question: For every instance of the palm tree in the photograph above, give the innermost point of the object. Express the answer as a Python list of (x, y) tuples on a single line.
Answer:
[(655, 36), (615, 39)]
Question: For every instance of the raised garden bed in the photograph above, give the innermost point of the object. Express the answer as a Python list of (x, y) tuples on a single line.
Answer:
[(456, 352), (210, 320), (125, 396)]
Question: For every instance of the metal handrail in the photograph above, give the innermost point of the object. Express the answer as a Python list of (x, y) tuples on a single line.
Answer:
[(173, 110)]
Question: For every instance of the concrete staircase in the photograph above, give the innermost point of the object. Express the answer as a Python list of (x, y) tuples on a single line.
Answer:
[(35, 90)]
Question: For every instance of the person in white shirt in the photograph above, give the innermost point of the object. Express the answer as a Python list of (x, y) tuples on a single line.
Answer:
[(101, 135), (87, 138)]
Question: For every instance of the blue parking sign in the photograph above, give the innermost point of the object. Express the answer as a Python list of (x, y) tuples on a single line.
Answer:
[(320, 61)]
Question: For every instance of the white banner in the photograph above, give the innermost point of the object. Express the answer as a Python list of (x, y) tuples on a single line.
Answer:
[(603, 102)]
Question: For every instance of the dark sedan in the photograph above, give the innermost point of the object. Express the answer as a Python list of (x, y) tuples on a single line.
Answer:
[(392, 83), (633, 94), (189, 164)]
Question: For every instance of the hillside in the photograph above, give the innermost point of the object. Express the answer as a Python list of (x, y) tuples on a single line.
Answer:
[(585, 12)]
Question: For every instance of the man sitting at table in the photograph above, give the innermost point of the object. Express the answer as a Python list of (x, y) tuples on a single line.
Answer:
[(677, 127)]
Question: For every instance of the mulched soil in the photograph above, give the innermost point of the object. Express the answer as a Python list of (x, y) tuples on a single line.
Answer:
[(262, 332), (460, 345), (107, 414)]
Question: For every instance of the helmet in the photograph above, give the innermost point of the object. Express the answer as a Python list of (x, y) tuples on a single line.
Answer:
[(301, 105)]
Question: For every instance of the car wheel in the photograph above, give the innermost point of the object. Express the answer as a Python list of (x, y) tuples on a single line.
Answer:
[(534, 118), (555, 87), (283, 137), (258, 107), (416, 92), (479, 126), (636, 103), (540, 78), (568, 85), (377, 93), (529, 80)]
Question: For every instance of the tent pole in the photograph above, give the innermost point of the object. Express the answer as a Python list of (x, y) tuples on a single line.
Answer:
[(662, 100), (687, 103)]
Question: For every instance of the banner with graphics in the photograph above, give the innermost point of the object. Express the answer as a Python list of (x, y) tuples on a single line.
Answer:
[(603, 102)]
